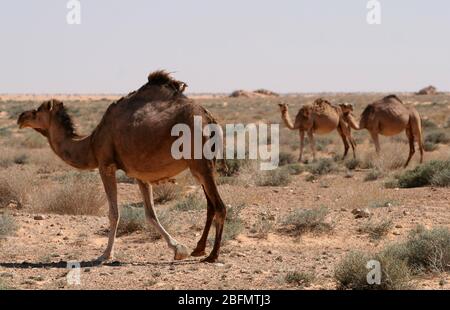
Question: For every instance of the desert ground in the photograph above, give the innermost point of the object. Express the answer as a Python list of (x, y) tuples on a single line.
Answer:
[(51, 213)]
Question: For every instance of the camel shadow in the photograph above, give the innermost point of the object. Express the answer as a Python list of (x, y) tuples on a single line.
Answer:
[(90, 264)]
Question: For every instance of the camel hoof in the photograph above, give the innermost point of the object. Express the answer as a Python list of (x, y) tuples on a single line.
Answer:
[(210, 259), (181, 252), (198, 253), (104, 258)]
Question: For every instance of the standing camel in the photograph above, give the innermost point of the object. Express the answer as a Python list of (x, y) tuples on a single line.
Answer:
[(134, 135), (389, 117), (320, 118)]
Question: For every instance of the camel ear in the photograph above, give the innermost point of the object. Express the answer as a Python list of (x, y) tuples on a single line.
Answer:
[(54, 105)]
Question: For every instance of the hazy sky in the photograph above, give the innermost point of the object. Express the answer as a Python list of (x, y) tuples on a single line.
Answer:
[(220, 46)]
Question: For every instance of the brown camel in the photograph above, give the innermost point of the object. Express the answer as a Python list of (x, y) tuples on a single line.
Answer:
[(320, 118), (388, 117), (134, 135)]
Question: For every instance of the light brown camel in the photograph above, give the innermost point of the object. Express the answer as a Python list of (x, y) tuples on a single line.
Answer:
[(320, 118), (134, 135), (388, 117)]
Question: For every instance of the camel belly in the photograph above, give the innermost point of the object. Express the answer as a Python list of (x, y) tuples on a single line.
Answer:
[(324, 125), (160, 173)]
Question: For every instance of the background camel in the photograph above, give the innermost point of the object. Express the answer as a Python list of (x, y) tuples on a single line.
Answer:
[(318, 118), (134, 135), (388, 117)]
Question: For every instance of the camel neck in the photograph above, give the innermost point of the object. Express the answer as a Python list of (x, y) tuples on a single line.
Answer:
[(74, 150)]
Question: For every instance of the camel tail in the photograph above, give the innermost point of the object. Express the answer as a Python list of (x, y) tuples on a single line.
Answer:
[(220, 160)]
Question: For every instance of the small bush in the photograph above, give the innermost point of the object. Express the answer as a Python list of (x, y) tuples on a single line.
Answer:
[(286, 159), (262, 227), (123, 178), (166, 192), (377, 229), (425, 250), (132, 219), (374, 174), (233, 166), (299, 278), (430, 146), (15, 186), (428, 124), (79, 194), (352, 272), (8, 225), (221, 180), (191, 202), (322, 166), (352, 164), (233, 223), (435, 173), (295, 169), (307, 220), (276, 177), (437, 137), (381, 204)]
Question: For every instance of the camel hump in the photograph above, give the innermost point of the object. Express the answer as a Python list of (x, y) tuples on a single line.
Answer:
[(162, 77), (322, 106), (392, 97)]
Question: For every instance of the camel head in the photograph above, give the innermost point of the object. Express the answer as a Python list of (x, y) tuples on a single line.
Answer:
[(346, 108), (39, 119), (283, 107)]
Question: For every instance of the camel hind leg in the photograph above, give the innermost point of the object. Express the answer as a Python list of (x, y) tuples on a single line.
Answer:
[(203, 171), (210, 212), (416, 130), (412, 149)]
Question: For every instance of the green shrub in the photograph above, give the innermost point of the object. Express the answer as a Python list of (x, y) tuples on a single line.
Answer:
[(233, 223), (307, 220), (352, 272), (430, 146), (437, 137), (434, 172), (377, 229), (425, 250), (299, 278), (276, 177), (286, 159), (374, 174), (190, 202), (352, 164), (123, 178), (132, 219), (295, 169), (322, 166), (428, 124)]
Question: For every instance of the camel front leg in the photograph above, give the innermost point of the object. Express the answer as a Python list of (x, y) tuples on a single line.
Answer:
[(109, 183), (302, 143), (312, 144), (180, 251)]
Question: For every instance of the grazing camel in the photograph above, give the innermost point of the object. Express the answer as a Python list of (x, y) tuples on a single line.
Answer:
[(320, 118), (134, 135), (388, 117)]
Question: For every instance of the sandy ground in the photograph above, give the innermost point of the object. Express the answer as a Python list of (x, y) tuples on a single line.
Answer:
[(34, 258)]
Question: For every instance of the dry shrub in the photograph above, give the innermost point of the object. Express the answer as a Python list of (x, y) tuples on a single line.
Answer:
[(191, 202), (8, 225), (276, 177), (393, 156), (166, 192), (79, 194), (299, 278), (351, 272), (15, 186), (307, 220), (366, 195), (10, 157), (435, 172), (132, 219), (377, 228)]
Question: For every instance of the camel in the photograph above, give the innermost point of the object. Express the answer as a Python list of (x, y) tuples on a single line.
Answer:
[(320, 118), (134, 135), (388, 117)]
